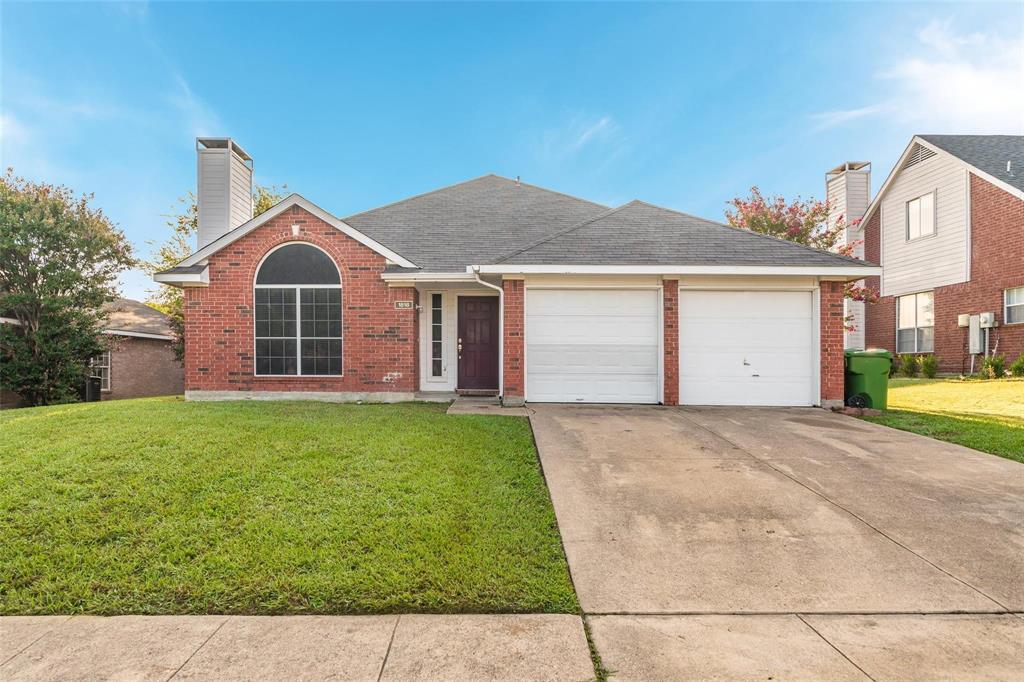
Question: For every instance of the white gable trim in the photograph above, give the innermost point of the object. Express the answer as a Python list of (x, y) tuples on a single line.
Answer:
[(286, 203), (938, 150)]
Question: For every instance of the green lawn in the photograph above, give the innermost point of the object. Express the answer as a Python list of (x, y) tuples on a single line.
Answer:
[(984, 415), (162, 506)]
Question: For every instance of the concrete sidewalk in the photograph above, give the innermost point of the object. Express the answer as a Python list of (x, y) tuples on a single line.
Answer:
[(408, 647)]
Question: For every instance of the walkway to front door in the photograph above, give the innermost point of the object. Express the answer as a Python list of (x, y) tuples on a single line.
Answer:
[(478, 343)]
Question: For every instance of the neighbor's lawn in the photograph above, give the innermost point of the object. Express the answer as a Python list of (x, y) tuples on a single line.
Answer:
[(984, 415), (162, 506)]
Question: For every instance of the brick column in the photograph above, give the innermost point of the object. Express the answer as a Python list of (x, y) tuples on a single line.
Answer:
[(832, 322), (670, 343), (513, 359)]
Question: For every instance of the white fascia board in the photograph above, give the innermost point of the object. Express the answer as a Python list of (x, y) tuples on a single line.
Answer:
[(187, 279), (294, 200), (427, 277), (141, 335), (851, 271)]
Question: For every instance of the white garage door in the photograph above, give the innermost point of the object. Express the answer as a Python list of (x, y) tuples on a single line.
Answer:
[(746, 348), (592, 346)]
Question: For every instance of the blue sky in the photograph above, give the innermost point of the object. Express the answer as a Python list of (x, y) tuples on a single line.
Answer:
[(356, 105)]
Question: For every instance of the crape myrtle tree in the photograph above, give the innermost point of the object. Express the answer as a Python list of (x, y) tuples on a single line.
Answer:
[(801, 221), (184, 225), (59, 262)]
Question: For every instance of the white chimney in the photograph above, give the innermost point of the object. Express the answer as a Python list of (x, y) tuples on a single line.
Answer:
[(848, 192), (224, 187)]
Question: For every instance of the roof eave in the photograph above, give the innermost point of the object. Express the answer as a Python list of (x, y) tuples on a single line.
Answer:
[(183, 279), (849, 272)]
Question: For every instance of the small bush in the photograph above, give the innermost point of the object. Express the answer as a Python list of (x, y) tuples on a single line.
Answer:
[(1017, 368), (929, 366), (993, 367), (908, 366)]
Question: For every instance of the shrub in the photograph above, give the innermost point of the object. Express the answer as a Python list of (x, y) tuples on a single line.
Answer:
[(993, 367), (1017, 368), (929, 366), (908, 365)]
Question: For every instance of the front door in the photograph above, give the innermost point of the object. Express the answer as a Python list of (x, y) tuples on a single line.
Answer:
[(478, 343)]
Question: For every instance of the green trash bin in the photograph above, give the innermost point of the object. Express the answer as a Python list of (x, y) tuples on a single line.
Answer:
[(867, 377)]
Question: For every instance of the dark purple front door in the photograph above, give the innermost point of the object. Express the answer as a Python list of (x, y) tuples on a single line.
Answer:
[(478, 343)]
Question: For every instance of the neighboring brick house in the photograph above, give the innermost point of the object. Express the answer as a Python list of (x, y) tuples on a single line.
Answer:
[(947, 226), (496, 287), (141, 360)]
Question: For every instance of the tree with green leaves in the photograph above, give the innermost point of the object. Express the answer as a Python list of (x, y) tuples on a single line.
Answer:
[(184, 226), (59, 262)]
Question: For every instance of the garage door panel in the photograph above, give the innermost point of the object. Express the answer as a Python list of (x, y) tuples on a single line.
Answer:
[(741, 391), (588, 388), (746, 348), (722, 362), (603, 359), (595, 345), (613, 330)]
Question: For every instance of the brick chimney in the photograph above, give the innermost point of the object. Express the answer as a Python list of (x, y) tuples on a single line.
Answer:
[(224, 187), (848, 191)]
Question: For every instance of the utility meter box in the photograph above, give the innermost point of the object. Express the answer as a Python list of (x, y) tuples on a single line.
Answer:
[(988, 320)]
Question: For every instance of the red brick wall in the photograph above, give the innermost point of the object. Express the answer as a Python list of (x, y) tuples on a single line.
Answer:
[(670, 322), (513, 342), (143, 367), (832, 324), (997, 263), (379, 343)]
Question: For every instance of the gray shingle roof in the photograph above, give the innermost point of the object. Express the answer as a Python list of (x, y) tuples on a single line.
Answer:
[(988, 153), (639, 233), (472, 222), (126, 315)]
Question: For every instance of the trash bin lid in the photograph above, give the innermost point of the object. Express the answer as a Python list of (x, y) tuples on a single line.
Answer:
[(868, 353)]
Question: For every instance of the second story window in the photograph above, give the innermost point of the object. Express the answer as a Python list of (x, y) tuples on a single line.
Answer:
[(921, 216)]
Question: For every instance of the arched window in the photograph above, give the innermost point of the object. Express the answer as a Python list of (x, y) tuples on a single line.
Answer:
[(298, 313)]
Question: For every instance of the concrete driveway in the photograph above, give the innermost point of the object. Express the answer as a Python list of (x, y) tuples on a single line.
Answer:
[(821, 538)]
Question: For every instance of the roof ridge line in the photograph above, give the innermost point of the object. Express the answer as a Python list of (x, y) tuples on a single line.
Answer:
[(421, 195), (550, 191), (538, 242)]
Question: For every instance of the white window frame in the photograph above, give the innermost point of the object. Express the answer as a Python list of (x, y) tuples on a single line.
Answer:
[(298, 316), (916, 350), (430, 338), (935, 216), (1007, 305), (103, 364)]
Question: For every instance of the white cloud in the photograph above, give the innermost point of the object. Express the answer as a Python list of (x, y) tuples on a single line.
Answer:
[(831, 119), (951, 83), (594, 135), (197, 118), (12, 131)]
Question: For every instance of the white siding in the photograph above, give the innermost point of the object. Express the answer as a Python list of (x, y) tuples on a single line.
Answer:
[(224, 193), (928, 262), (849, 195), (212, 194), (241, 192)]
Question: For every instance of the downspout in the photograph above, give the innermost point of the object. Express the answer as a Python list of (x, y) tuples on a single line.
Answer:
[(501, 329)]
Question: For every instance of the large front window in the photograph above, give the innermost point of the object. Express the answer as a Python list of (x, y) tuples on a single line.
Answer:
[(298, 313), (915, 323)]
